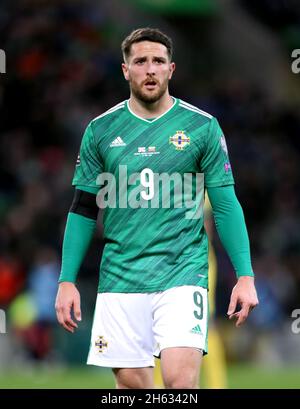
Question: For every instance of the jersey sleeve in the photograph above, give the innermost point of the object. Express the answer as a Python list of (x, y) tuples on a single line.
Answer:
[(215, 162), (89, 162)]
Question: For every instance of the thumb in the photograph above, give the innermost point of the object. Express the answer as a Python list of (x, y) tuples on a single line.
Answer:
[(232, 305), (77, 310)]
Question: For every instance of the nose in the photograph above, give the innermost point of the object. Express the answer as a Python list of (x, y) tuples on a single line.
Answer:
[(150, 68)]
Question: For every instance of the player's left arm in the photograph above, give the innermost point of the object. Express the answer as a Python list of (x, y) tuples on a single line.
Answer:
[(229, 218), (231, 227)]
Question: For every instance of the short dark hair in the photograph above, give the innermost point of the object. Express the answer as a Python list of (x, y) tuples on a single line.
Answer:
[(146, 34)]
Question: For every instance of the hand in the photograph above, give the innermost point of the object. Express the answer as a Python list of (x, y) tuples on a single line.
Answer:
[(68, 297), (243, 293)]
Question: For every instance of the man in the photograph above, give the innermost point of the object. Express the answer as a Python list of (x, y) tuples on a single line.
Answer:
[(152, 296)]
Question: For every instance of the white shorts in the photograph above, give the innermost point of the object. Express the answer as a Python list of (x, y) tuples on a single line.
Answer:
[(129, 329)]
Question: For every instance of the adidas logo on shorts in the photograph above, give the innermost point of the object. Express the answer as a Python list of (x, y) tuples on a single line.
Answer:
[(196, 330)]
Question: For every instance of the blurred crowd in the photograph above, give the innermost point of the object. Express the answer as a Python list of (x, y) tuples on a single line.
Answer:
[(63, 69)]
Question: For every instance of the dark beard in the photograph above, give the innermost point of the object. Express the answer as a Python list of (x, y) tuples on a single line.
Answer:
[(149, 99)]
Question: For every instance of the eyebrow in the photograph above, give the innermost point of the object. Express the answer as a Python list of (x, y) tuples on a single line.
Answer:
[(145, 58)]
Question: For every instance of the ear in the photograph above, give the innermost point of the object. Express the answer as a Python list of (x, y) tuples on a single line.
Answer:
[(125, 71), (171, 69)]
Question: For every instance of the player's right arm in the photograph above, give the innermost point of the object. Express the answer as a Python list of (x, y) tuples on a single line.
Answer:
[(80, 227), (68, 297)]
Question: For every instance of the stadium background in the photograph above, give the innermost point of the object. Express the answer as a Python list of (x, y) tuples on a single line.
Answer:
[(62, 69)]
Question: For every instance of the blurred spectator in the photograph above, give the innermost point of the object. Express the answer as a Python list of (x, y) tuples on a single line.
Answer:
[(11, 279), (32, 314)]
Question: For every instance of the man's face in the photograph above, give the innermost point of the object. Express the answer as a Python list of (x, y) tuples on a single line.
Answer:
[(148, 70)]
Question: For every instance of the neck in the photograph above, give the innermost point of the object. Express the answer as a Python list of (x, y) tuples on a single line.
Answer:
[(150, 110)]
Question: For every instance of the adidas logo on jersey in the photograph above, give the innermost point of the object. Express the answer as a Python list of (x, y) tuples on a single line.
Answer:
[(117, 142), (196, 330)]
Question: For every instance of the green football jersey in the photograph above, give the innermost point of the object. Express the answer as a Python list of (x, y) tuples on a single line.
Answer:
[(146, 171)]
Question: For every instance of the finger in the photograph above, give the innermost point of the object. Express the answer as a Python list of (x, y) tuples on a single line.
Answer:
[(70, 323), (58, 314), (60, 319), (77, 310), (235, 315), (68, 327), (67, 318), (232, 305), (254, 304), (243, 314)]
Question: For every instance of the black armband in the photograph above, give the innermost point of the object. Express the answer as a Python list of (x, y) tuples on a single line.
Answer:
[(84, 203)]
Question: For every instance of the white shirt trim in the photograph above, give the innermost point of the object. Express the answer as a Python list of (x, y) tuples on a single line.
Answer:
[(194, 109), (111, 110), (146, 120)]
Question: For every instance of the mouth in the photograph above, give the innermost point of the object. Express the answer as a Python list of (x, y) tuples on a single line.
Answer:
[(150, 84)]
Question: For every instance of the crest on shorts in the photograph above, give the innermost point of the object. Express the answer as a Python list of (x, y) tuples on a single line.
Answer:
[(101, 344), (180, 140)]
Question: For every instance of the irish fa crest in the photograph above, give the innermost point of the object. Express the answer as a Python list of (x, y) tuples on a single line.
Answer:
[(180, 140), (101, 344)]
